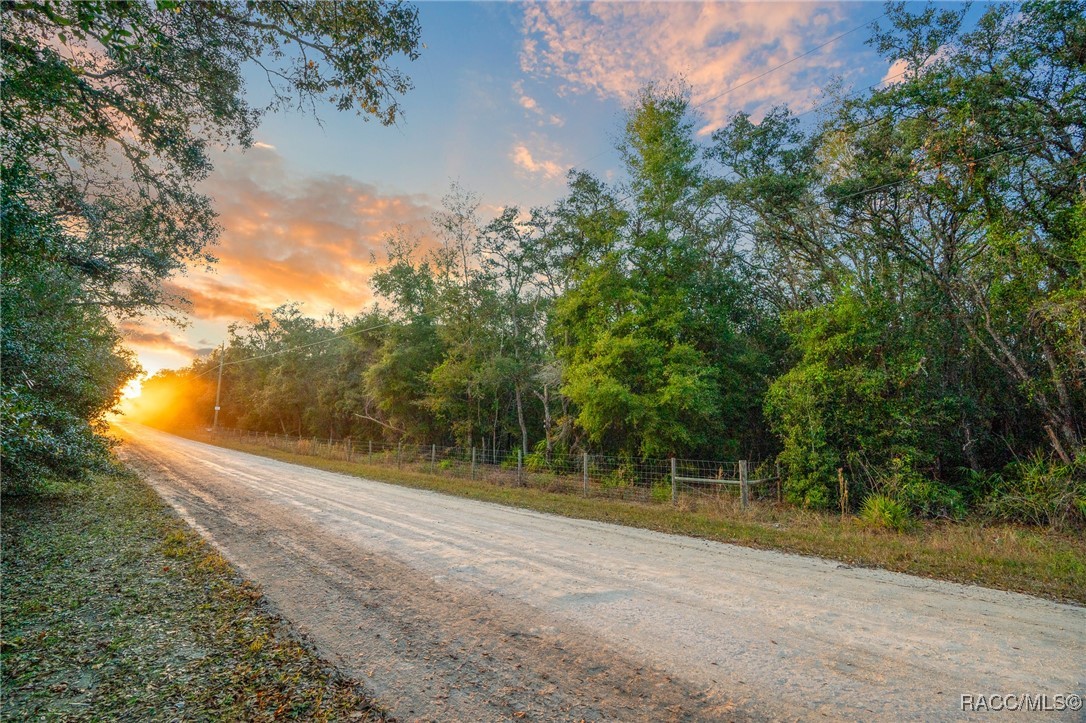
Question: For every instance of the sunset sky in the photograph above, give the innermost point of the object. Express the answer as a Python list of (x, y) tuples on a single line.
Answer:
[(507, 98)]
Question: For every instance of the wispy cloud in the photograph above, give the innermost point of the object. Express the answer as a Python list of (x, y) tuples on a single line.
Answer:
[(534, 109), (525, 160), (613, 49), (142, 338)]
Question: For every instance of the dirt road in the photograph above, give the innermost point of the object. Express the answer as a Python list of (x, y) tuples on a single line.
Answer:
[(454, 609)]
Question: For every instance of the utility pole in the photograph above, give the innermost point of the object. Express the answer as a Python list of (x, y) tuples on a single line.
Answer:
[(218, 389)]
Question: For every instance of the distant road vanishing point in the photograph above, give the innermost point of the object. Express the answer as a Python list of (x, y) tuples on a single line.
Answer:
[(451, 609)]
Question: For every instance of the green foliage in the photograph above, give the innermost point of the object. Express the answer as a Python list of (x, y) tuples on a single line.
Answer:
[(661, 491), (856, 399), (510, 461), (654, 360), (882, 512), (64, 367), (621, 477), (541, 459), (537, 462), (928, 498), (1040, 491), (921, 496)]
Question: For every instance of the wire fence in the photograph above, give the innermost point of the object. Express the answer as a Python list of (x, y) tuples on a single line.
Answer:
[(591, 475)]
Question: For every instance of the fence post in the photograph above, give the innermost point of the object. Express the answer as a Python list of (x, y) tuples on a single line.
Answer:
[(399, 446), (586, 474), (433, 455), (350, 448), (473, 462), (744, 498), (369, 454), (674, 482), (778, 483), (520, 466)]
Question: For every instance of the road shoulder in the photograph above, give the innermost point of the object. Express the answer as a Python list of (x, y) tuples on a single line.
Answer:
[(114, 608)]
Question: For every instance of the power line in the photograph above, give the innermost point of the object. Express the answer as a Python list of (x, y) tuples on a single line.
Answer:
[(851, 95), (312, 344)]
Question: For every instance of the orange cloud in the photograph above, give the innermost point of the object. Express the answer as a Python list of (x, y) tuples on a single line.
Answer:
[(210, 298), (613, 49), (307, 239)]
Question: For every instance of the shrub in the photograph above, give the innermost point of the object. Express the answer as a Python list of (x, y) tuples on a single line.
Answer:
[(855, 398), (926, 498), (536, 462), (883, 512), (921, 496), (1040, 491), (661, 490), (620, 477)]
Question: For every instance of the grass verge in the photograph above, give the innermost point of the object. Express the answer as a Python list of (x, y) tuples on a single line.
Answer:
[(114, 609), (1006, 557)]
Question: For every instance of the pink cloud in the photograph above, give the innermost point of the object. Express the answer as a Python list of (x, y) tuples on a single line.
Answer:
[(614, 49), (533, 165)]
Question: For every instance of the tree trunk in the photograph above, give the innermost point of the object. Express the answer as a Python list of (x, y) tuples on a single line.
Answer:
[(547, 421), (545, 399), (1008, 361), (520, 420)]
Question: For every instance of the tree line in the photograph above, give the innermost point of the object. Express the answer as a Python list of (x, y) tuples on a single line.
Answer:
[(894, 294)]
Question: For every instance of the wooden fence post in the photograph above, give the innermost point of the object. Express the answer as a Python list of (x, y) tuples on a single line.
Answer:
[(520, 466), (744, 495), (584, 474), (473, 462), (433, 456)]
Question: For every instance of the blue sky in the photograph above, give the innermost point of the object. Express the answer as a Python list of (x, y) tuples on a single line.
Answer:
[(507, 97)]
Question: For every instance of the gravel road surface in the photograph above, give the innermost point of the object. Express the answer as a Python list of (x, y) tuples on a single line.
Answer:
[(451, 609)]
